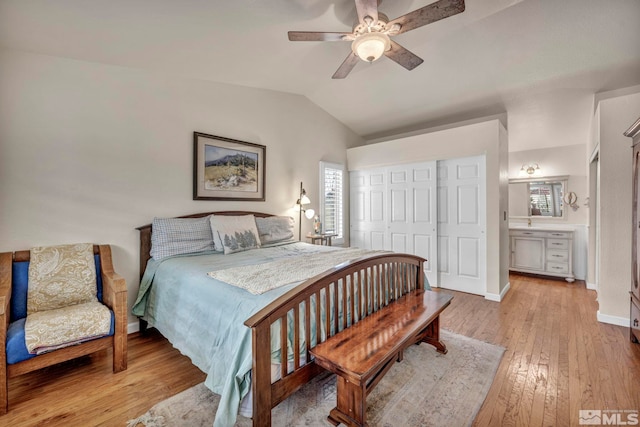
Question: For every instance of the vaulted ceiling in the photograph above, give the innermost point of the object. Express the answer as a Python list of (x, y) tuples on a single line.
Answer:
[(474, 62)]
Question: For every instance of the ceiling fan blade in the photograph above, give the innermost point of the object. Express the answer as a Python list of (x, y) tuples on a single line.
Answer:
[(345, 68), (367, 8), (315, 36), (428, 14), (403, 57)]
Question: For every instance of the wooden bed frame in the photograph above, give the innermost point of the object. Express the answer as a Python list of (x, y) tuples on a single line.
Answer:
[(376, 281)]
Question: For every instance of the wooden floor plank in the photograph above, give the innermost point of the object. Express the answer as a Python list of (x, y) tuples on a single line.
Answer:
[(559, 359)]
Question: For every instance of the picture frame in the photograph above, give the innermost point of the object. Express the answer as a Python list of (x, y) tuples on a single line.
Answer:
[(228, 169)]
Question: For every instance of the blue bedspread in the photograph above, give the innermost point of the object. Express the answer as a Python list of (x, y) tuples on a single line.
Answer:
[(204, 318)]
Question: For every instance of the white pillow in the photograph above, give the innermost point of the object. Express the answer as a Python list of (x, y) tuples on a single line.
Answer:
[(235, 233), (275, 229)]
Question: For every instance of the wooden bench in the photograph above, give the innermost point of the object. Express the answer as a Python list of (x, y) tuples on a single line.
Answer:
[(362, 354)]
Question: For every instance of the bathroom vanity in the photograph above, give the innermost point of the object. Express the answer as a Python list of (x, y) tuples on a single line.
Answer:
[(539, 250)]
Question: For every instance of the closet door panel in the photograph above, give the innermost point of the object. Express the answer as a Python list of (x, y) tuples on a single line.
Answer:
[(443, 255), (399, 242), (422, 205), (376, 207), (468, 249), (394, 208), (422, 247), (461, 224), (377, 240), (367, 212)]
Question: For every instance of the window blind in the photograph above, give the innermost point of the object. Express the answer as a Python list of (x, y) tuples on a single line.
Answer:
[(332, 181)]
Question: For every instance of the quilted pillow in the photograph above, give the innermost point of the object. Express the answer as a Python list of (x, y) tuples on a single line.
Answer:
[(237, 233), (275, 229), (176, 236), (60, 276)]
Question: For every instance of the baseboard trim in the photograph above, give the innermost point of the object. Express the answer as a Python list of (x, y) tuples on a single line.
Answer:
[(498, 297), (591, 286), (133, 327), (613, 320)]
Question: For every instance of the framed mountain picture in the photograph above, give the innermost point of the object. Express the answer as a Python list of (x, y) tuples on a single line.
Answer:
[(227, 169)]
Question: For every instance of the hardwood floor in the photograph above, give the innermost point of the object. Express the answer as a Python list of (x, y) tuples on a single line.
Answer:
[(86, 393), (559, 359)]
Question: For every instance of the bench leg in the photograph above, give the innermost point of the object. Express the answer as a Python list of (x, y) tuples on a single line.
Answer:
[(352, 404), (431, 335)]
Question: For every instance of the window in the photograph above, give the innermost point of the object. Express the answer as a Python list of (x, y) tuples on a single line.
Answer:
[(332, 199)]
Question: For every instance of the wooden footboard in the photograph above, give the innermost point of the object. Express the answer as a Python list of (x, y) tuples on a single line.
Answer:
[(330, 302)]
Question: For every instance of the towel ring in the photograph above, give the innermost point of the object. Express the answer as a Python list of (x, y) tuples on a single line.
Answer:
[(571, 199)]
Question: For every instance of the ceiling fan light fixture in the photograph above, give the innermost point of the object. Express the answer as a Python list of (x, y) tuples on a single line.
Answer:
[(371, 46)]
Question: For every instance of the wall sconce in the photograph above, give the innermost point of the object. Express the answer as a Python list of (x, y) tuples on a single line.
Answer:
[(299, 206), (530, 170)]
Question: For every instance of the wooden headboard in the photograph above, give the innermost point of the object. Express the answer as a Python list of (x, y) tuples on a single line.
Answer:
[(145, 233)]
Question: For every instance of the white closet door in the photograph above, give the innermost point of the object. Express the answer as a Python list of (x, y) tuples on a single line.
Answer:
[(462, 257), (412, 225), (367, 214)]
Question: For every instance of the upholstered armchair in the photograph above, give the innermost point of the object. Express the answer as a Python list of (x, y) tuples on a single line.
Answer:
[(50, 314)]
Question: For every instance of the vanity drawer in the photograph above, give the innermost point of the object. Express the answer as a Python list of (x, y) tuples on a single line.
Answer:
[(557, 255), (558, 234), (557, 244), (557, 267), (527, 233)]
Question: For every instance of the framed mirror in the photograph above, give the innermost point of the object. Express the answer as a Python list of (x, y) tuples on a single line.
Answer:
[(538, 197)]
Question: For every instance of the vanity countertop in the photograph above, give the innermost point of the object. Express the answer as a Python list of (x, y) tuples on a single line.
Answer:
[(540, 228)]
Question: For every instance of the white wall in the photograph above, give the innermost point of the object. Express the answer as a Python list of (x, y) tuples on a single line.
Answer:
[(548, 119), (487, 138), (88, 151), (616, 115)]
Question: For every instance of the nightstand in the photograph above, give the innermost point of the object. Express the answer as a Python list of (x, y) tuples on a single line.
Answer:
[(321, 239)]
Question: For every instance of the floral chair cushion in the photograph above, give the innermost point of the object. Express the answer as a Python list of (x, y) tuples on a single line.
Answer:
[(60, 276), (52, 329)]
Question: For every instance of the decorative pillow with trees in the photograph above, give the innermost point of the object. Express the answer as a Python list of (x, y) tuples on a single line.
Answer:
[(236, 233)]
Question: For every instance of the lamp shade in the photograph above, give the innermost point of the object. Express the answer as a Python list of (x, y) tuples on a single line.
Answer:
[(304, 200), (309, 213), (371, 46)]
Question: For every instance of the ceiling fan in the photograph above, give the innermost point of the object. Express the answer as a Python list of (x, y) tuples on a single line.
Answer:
[(370, 38)]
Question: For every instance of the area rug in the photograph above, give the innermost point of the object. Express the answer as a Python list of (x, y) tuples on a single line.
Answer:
[(426, 389)]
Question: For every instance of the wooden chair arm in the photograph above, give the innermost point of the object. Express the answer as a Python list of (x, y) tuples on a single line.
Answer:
[(114, 295), (6, 261), (114, 287), (6, 268)]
